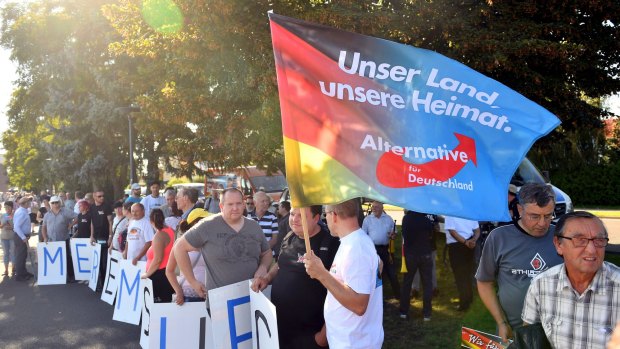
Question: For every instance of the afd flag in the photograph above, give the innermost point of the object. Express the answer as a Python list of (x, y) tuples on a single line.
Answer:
[(363, 116)]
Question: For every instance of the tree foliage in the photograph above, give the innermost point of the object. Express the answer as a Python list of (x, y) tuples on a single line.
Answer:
[(203, 73)]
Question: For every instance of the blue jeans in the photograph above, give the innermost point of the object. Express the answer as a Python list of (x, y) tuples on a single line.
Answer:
[(8, 248)]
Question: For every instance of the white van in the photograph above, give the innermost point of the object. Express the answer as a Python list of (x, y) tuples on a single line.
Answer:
[(528, 173)]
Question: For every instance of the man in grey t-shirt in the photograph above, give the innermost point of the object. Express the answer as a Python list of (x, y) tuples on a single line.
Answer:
[(234, 247), (513, 254)]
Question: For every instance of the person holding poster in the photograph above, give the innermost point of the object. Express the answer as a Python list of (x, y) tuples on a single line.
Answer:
[(300, 324), (183, 290), (139, 235), (157, 257), (513, 254), (353, 308), (233, 246), (56, 224)]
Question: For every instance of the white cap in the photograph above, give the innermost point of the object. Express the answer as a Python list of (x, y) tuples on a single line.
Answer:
[(54, 199), (135, 186)]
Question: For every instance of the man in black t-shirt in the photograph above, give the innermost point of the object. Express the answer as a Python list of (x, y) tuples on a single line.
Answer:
[(298, 298), (101, 231)]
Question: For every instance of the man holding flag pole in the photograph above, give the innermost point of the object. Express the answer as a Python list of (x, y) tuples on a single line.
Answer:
[(354, 305)]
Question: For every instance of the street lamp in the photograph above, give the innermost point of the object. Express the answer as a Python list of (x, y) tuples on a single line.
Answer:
[(128, 110)]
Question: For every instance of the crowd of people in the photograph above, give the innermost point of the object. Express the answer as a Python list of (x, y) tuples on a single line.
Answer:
[(528, 271)]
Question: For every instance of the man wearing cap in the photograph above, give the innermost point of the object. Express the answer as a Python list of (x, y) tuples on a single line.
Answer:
[(154, 200), (136, 191), (56, 224), (21, 226), (514, 254)]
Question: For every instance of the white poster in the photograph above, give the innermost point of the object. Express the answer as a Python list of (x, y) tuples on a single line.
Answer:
[(52, 257), (81, 253), (129, 297), (185, 326), (264, 321), (94, 270), (111, 278), (230, 314), (147, 308)]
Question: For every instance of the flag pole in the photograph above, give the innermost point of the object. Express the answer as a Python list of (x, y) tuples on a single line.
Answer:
[(304, 224)]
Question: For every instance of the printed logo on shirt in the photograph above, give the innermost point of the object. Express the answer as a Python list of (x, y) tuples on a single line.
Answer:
[(134, 231), (537, 262), (101, 213), (300, 258), (538, 265)]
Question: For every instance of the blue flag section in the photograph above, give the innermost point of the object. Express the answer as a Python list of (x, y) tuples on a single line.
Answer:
[(400, 124)]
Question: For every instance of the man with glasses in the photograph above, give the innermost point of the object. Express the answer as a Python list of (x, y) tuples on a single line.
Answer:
[(101, 231), (249, 206), (578, 301), (56, 224), (513, 254)]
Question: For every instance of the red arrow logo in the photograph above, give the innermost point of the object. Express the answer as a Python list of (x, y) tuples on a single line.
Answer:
[(394, 172)]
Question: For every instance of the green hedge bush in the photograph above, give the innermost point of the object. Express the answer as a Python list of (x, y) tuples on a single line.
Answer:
[(590, 186)]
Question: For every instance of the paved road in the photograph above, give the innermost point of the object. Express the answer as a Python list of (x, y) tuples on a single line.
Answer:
[(59, 316)]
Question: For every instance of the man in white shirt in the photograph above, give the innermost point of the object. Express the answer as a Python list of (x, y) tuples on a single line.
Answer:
[(139, 235), (354, 305), (21, 226), (152, 201), (461, 240), (380, 227)]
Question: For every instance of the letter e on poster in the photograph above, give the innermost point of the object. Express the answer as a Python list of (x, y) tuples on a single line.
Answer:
[(81, 254), (230, 315), (110, 284)]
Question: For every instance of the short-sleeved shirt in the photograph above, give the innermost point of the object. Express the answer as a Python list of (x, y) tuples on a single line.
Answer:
[(57, 224), (512, 257), (230, 256), (379, 229), (356, 264), (7, 227), (149, 202), (463, 227), (101, 225), (292, 283), (268, 223), (83, 225), (139, 232), (572, 320)]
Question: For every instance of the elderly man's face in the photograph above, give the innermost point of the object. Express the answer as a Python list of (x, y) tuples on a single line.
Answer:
[(581, 261), (377, 208), (137, 212), (535, 220), (170, 199), (262, 203)]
